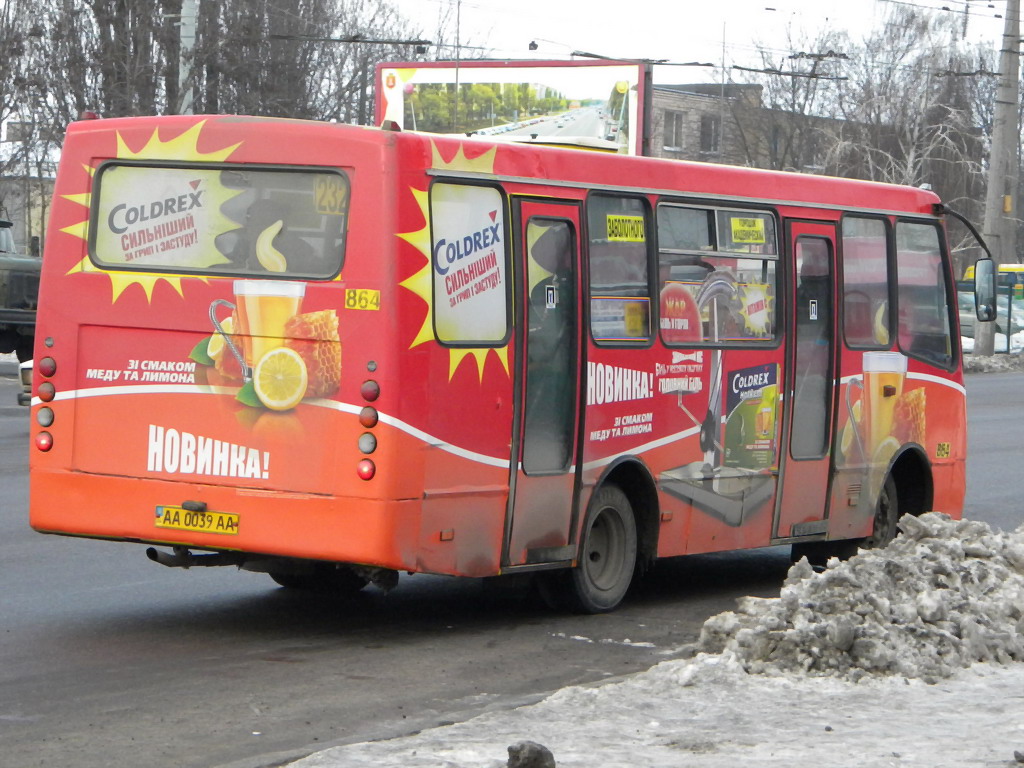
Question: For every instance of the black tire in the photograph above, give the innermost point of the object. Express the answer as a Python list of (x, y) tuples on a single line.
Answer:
[(23, 348), (8, 341), (324, 578), (607, 557), (883, 531), (887, 515)]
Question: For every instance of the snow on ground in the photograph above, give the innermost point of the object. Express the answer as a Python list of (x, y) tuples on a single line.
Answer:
[(1016, 344), (904, 656)]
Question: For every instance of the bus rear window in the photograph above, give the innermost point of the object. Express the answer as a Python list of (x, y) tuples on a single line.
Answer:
[(229, 221)]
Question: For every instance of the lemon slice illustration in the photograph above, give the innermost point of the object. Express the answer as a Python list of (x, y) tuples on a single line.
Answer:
[(885, 451), (880, 329), (215, 346), (268, 256), (280, 379)]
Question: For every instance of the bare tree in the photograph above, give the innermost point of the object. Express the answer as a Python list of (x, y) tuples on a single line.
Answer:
[(908, 113), (783, 130)]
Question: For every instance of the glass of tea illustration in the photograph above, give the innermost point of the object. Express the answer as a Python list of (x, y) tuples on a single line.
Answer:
[(264, 306), (884, 373)]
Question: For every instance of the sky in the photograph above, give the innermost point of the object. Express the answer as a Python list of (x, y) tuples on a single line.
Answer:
[(679, 31), (909, 656)]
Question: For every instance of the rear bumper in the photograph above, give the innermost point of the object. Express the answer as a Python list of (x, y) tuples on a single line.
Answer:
[(333, 528)]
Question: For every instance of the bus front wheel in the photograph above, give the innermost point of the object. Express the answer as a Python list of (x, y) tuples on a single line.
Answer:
[(607, 556), (887, 515), (883, 530)]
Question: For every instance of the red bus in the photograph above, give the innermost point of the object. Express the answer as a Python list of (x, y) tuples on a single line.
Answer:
[(333, 353)]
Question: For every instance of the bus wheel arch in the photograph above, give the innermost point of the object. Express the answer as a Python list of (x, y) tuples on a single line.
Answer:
[(636, 482), (617, 539), (912, 474), (906, 489)]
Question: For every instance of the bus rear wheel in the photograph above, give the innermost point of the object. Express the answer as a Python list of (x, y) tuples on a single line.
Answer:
[(323, 578), (607, 557)]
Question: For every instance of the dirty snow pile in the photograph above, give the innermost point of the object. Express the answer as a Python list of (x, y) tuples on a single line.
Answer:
[(942, 596), (870, 663), (998, 363)]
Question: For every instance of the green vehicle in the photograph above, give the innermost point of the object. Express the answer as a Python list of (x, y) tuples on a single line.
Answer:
[(19, 292)]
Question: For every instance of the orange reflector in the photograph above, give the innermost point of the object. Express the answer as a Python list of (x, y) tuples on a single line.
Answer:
[(368, 417)]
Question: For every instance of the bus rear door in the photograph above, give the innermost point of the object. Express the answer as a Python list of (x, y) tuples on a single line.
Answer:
[(810, 390), (545, 444)]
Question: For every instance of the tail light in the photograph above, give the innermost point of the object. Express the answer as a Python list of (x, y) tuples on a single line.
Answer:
[(368, 417), (45, 367)]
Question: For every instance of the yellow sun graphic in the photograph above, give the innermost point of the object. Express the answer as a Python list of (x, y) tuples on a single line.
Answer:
[(421, 283), (181, 148), (756, 307)]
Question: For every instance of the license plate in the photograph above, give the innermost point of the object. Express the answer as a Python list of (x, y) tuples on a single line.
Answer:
[(181, 519)]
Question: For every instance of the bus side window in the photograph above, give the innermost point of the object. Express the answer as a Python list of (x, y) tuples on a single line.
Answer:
[(865, 283), (716, 275), (620, 293), (923, 307)]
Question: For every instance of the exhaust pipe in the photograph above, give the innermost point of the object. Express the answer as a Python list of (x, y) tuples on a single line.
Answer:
[(182, 558)]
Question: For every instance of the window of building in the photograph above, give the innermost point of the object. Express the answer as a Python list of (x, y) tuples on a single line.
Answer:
[(673, 139), (710, 133)]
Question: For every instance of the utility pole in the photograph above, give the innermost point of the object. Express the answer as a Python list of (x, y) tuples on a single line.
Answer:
[(1000, 226), (187, 44)]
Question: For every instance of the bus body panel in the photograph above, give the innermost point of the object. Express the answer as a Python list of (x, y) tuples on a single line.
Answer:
[(144, 422)]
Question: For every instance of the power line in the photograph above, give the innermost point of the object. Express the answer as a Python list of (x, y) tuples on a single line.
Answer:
[(773, 71)]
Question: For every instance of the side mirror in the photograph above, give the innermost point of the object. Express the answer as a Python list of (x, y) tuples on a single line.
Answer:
[(985, 289)]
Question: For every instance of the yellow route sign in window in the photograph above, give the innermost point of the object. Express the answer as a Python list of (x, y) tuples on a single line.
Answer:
[(747, 231), (625, 229)]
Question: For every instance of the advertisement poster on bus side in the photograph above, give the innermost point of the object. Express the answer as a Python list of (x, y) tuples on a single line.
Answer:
[(167, 216), (751, 403), (468, 226)]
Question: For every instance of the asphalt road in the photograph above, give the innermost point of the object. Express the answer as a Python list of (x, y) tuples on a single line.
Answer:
[(995, 449), (109, 659)]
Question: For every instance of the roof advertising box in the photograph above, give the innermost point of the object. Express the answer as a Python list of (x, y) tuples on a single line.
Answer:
[(595, 104)]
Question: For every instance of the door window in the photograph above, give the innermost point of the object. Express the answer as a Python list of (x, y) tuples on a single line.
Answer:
[(550, 346), (813, 375)]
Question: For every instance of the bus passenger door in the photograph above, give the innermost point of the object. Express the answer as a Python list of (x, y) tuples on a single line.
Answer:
[(810, 394), (547, 369)]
